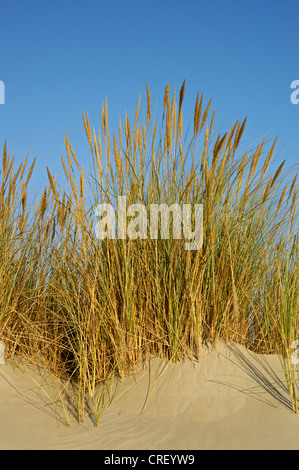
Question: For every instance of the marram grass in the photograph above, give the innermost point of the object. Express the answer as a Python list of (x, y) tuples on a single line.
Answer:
[(93, 309)]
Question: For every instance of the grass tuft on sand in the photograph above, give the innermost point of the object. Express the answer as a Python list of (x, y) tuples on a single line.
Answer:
[(93, 309)]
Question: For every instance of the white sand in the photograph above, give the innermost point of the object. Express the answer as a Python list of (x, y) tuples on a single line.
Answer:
[(231, 399)]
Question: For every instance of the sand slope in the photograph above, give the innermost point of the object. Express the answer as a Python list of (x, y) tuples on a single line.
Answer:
[(230, 399)]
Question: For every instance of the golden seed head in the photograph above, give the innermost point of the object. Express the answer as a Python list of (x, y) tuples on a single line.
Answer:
[(137, 113), (268, 158), (205, 115), (166, 99), (182, 92), (117, 157), (106, 116), (43, 203), (197, 112), (148, 112)]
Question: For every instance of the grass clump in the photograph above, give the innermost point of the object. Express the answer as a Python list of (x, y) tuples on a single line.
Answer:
[(95, 308)]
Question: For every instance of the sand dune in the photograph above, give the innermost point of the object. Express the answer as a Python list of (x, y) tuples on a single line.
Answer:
[(230, 399)]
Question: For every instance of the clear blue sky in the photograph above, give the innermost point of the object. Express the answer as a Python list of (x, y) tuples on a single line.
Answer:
[(58, 58)]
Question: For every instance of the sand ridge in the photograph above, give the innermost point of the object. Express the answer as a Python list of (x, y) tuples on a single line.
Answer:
[(230, 399)]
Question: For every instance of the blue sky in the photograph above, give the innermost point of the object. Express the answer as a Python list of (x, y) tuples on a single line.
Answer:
[(58, 58)]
